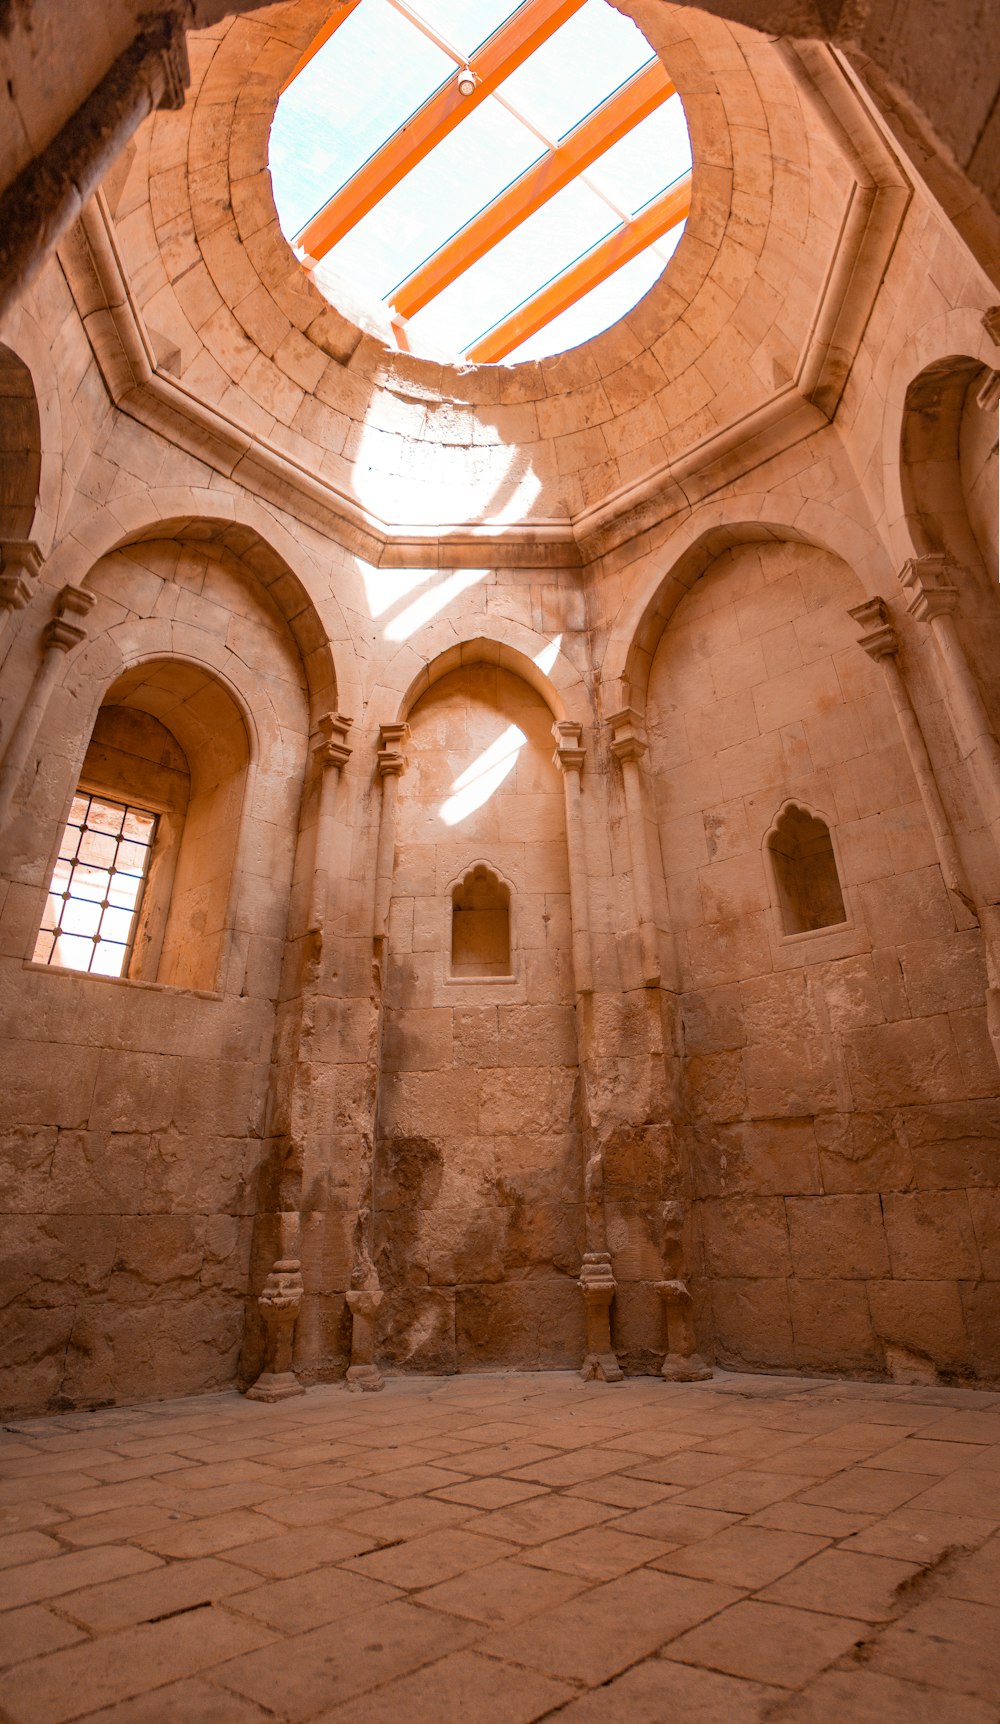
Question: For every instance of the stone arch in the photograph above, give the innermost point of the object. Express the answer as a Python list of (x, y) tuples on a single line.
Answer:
[(940, 407), (246, 529), (20, 448), (705, 536), (30, 385), (959, 341), (484, 650)]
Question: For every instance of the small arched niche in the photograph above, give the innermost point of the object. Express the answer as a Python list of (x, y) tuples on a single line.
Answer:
[(806, 877), (141, 886), (949, 462), (480, 925), (20, 448)]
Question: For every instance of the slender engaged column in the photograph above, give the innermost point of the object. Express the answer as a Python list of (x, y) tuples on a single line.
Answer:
[(20, 565), (279, 1303), (363, 1304), (48, 195), (882, 645), (331, 757), (391, 766), (933, 598), (628, 747), (59, 636), (569, 757)]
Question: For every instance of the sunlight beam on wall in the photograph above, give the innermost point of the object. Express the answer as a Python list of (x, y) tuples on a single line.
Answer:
[(431, 602), (478, 782)]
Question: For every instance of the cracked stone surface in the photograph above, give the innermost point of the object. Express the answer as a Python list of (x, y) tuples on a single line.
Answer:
[(508, 1548)]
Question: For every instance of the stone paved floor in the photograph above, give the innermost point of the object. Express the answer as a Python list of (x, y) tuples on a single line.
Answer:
[(494, 1550)]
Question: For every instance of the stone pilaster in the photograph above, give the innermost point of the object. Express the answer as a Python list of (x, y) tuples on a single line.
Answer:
[(882, 646), (61, 634), (569, 757), (628, 745)]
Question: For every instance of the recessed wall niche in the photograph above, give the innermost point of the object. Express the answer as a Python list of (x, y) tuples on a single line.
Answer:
[(805, 872), (480, 925)]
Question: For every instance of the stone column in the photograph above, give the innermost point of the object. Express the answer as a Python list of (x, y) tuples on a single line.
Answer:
[(20, 565), (683, 1363), (331, 757), (882, 645), (48, 195), (597, 1280), (628, 747), (569, 757), (932, 597), (59, 636), (363, 1304), (279, 1303), (391, 764)]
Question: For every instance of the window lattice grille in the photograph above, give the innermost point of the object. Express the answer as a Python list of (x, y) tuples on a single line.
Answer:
[(97, 885)]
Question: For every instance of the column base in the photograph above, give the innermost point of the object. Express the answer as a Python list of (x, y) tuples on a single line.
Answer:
[(275, 1386), (367, 1377), (601, 1368), (685, 1368)]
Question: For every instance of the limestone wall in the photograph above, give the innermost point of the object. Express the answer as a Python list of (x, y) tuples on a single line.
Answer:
[(841, 1084), (241, 517)]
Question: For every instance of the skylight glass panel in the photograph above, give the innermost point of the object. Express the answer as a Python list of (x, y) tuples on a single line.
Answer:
[(341, 137), (372, 74), (544, 245), (443, 192), (577, 68), (646, 160), (602, 307), (466, 24)]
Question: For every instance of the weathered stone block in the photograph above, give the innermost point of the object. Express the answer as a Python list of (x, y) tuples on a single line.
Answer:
[(746, 1237), (839, 1238), (832, 1326), (931, 1235)]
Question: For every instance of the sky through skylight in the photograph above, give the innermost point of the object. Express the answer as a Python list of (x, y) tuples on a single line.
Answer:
[(575, 261)]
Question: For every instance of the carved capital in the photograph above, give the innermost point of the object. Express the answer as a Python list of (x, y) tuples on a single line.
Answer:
[(991, 324), (61, 633), (627, 739), (930, 589), (334, 749), (880, 641), (20, 566), (570, 752), (390, 759)]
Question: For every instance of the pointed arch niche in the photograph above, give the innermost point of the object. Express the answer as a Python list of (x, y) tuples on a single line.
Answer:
[(481, 925), (804, 867), (479, 1174)]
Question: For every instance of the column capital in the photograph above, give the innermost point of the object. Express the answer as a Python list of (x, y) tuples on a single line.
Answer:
[(61, 632), (20, 565), (931, 591), (627, 739), (880, 642), (570, 752), (333, 749), (991, 324), (390, 759)]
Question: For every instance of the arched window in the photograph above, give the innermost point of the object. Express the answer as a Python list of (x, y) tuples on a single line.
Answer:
[(141, 884), (805, 872), (480, 925)]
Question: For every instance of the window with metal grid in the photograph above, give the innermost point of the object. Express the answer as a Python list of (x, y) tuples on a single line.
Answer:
[(97, 884)]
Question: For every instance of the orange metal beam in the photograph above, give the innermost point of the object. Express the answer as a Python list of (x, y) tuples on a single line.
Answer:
[(620, 247), (530, 26), (322, 36), (641, 96)]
